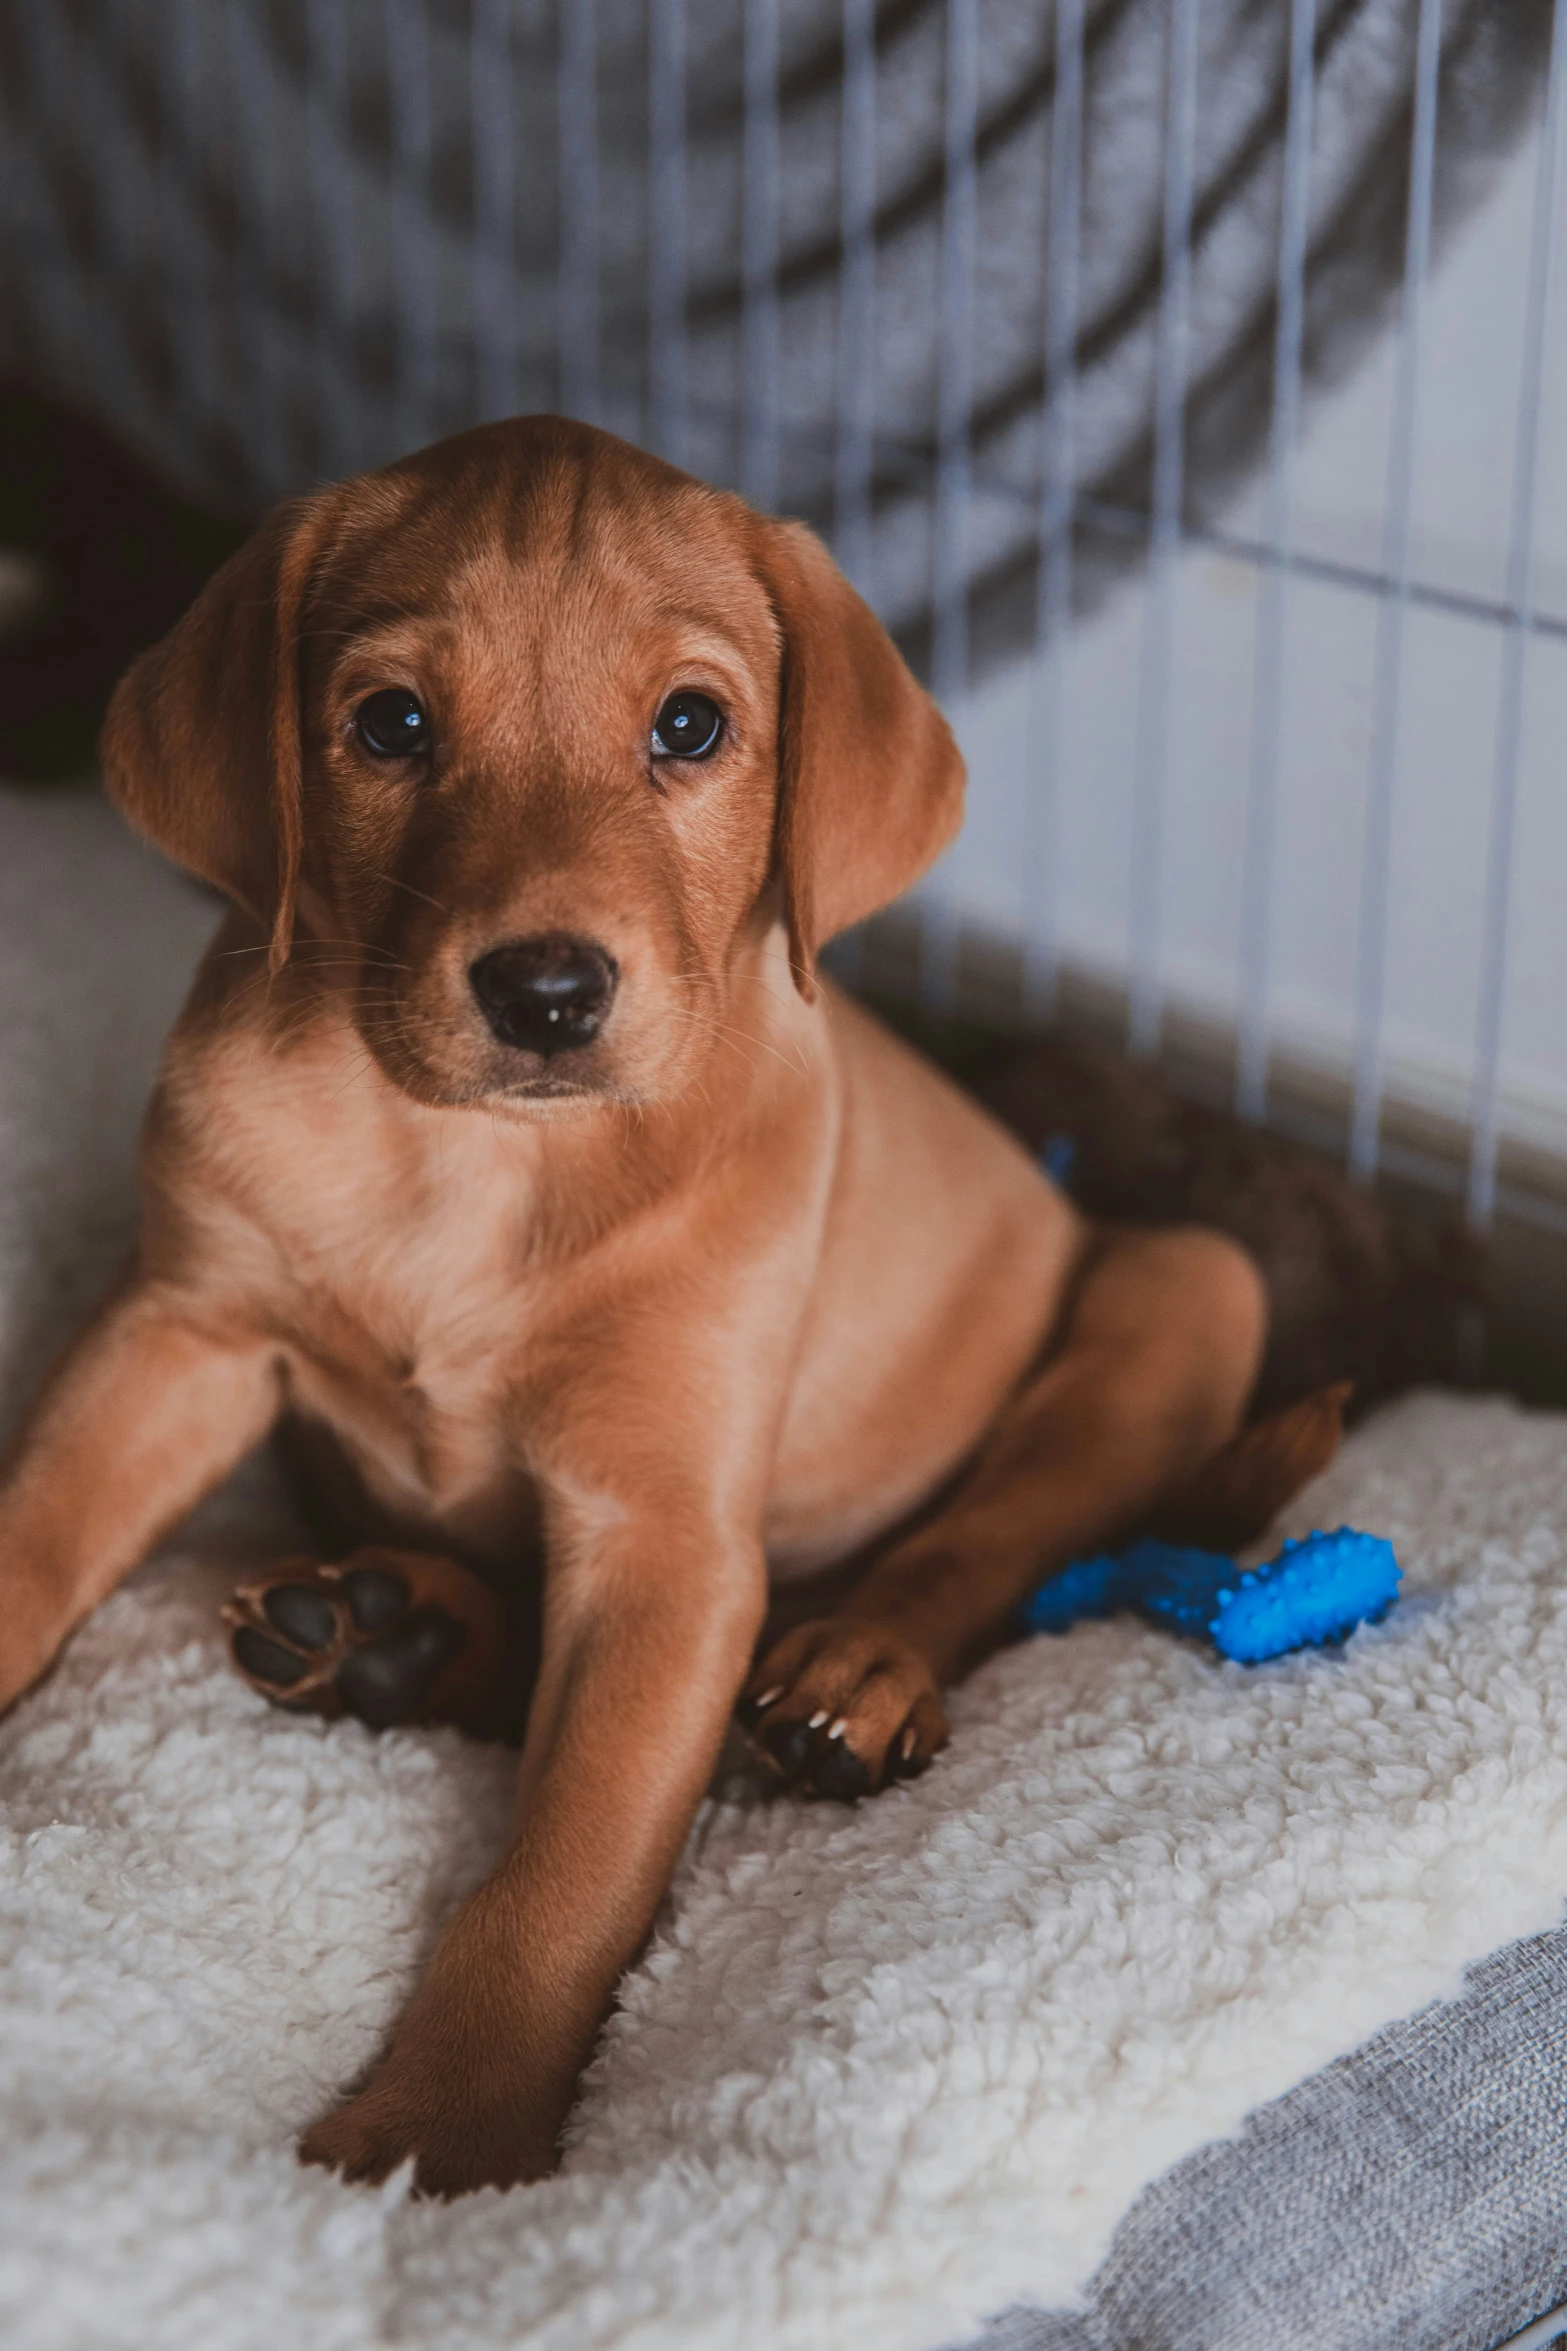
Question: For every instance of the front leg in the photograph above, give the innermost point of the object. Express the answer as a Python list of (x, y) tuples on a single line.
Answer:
[(647, 1635), (149, 1409)]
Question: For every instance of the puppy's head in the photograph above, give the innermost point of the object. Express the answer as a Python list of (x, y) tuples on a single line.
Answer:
[(522, 745)]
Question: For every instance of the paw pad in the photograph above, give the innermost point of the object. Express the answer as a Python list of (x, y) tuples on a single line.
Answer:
[(377, 1598), (301, 1615), (342, 1641), (389, 1678)]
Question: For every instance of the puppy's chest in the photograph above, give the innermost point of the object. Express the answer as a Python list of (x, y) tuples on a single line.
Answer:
[(407, 1337)]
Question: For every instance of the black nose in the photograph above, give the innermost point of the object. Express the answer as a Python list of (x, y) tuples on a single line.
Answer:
[(544, 995)]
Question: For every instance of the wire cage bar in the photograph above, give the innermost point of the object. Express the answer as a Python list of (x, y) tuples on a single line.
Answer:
[(954, 419), (1397, 548), (855, 454), (1048, 713), (761, 349), (579, 210), (250, 351), (494, 194), (1550, 189), (668, 366), (1268, 712), (1172, 362), (407, 72), (332, 245)]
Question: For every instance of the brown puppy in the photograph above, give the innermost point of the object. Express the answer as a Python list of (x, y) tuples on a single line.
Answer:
[(509, 1148)]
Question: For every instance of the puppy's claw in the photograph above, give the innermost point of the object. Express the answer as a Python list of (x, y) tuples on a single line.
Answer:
[(860, 1708)]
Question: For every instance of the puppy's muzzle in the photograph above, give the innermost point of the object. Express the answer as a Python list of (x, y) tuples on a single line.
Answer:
[(545, 995)]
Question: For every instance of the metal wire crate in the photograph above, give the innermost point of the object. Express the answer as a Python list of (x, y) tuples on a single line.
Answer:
[(1012, 304)]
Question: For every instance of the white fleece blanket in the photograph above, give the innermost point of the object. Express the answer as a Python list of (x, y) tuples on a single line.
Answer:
[(882, 2071)]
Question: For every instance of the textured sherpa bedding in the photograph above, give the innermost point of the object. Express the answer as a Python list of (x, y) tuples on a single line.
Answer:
[(883, 2071)]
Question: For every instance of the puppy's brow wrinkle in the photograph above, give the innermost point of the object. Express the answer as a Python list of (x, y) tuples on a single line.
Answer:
[(579, 537)]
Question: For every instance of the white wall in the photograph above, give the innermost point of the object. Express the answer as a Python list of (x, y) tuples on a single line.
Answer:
[(1466, 440)]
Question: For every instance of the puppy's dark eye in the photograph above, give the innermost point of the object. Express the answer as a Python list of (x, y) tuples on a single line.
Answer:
[(392, 724), (687, 727)]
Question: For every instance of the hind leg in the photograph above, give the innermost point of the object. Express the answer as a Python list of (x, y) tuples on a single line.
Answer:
[(1237, 1494), (1148, 1380), (388, 1636)]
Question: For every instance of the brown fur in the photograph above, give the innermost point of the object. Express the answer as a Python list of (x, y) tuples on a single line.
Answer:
[(741, 1289), (1358, 1290)]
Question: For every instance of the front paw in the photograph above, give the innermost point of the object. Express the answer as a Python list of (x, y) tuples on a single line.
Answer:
[(841, 1708), (458, 2137)]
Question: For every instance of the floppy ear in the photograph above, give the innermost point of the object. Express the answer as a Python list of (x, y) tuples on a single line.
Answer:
[(201, 747), (870, 781)]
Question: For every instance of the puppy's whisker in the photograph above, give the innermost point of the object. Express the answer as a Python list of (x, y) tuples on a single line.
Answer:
[(310, 950), (716, 1031), (266, 981), (788, 1060), (396, 882), (727, 1029), (312, 1008), (749, 979), (305, 1016), (365, 1062), (354, 963), (311, 1002)]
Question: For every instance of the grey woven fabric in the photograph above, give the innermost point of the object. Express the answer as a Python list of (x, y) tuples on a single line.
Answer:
[(1410, 2197), (276, 239)]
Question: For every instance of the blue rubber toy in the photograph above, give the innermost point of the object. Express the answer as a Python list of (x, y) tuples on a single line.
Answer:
[(1317, 1590)]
